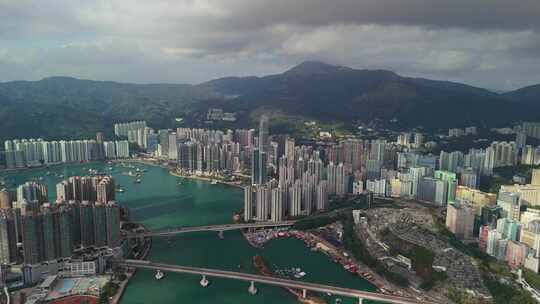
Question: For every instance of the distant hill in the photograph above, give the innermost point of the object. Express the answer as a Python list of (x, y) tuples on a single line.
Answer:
[(328, 92), (528, 95), (61, 106), (68, 107)]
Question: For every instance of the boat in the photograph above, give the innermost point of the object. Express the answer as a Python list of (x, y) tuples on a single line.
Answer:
[(214, 182), (159, 275), (120, 190), (138, 181), (298, 273)]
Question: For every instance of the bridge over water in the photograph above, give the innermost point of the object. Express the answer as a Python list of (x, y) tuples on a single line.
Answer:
[(253, 278), (215, 228)]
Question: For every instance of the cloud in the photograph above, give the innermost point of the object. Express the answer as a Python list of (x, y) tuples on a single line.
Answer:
[(490, 43)]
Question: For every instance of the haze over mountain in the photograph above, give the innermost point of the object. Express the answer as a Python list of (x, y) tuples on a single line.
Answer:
[(67, 107)]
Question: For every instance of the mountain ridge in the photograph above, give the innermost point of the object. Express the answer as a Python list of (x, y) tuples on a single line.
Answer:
[(314, 90)]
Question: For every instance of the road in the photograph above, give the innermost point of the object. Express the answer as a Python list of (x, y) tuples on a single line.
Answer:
[(216, 228), (346, 292)]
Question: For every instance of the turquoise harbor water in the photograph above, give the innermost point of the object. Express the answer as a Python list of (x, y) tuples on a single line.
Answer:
[(160, 202)]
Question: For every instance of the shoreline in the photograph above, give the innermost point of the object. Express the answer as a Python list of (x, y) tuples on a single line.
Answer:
[(205, 179), (122, 288), (176, 174), (312, 241), (50, 166), (260, 264), (126, 160)]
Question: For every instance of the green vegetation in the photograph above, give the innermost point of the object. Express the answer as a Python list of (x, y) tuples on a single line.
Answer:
[(338, 207), (354, 244), (507, 294), (492, 184), (108, 291), (509, 172), (62, 107), (351, 242), (422, 263), (421, 259), (315, 222), (532, 278), (463, 298), (491, 270), (470, 250), (326, 94), (503, 176)]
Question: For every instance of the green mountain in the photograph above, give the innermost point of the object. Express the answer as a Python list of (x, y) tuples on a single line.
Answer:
[(333, 93), (528, 95), (62, 107)]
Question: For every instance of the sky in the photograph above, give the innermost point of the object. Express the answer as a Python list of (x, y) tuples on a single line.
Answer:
[(493, 44)]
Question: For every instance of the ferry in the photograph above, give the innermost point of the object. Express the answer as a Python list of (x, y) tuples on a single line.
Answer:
[(159, 275)]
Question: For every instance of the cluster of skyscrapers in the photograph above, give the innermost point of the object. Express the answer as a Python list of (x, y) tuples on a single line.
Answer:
[(507, 230), (38, 152), (124, 129), (33, 231), (301, 187), (435, 179), (199, 150)]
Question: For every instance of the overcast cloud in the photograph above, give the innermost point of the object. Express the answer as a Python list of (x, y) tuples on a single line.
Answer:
[(489, 43)]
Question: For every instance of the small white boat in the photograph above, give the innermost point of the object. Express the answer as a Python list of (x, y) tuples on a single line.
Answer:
[(300, 275), (214, 182), (138, 181), (159, 275)]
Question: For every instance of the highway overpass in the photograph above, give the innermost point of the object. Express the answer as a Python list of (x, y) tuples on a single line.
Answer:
[(253, 278), (215, 228)]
